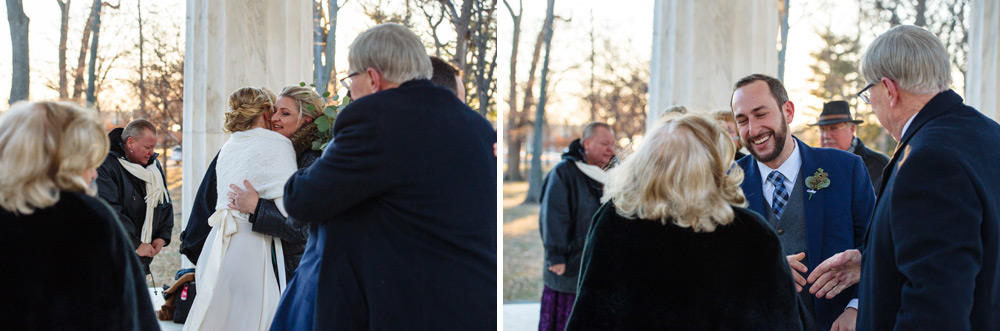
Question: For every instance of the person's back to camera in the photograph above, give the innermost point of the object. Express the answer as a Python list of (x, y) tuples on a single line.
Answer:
[(672, 247), (72, 264)]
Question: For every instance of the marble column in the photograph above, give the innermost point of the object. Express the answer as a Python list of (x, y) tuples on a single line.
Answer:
[(230, 44), (982, 81), (701, 48)]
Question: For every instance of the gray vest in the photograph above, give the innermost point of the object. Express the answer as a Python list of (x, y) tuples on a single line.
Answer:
[(791, 230)]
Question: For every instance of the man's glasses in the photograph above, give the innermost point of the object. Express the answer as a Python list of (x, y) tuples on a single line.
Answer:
[(832, 127), (864, 94), (346, 81)]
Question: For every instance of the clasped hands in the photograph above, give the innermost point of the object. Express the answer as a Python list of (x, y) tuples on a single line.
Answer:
[(831, 277), (150, 249)]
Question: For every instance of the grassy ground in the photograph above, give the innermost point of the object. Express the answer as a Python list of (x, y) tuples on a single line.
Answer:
[(166, 264), (522, 246)]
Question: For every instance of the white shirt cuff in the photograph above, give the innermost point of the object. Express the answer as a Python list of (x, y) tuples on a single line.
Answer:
[(852, 304)]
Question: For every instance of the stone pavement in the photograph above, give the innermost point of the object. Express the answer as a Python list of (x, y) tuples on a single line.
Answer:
[(521, 316)]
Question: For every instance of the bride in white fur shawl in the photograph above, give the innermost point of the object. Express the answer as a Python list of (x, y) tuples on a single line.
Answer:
[(241, 273)]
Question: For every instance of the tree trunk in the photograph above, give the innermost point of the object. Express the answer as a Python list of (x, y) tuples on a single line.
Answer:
[(483, 34), (514, 149), (535, 177), (783, 16), (81, 63), (921, 17), (19, 41), (91, 72), (63, 34), (142, 81), (330, 68), (319, 35)]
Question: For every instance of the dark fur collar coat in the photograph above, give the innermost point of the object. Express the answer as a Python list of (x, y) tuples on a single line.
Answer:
[(643, 275), (71, 267)]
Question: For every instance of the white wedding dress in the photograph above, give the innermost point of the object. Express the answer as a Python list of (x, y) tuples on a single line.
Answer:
[(238, 284)]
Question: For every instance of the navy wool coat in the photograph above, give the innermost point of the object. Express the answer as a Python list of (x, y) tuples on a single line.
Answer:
[(932, 253), (404, 202)]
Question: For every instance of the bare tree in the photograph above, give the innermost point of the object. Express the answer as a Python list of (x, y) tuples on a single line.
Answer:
[(535, 176), (78, 82), (63, 35), (378, 13), (513, 115), (434, 15), (783, 27), (142, 65), (460, 19), (483, 44), (621, 92), (92, 75), (18, 22), (947, 19), (324, 45)]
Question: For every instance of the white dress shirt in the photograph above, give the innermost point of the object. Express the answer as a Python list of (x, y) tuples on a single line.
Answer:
[(789, 169)]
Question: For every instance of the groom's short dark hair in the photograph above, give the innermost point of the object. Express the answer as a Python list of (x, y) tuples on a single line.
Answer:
[(777, 88), (444, 74)]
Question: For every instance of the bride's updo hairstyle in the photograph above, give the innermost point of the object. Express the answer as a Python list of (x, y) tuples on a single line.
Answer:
[(245, 105)]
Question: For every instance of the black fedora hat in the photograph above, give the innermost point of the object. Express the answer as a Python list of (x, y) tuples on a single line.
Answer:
[(836, 112)]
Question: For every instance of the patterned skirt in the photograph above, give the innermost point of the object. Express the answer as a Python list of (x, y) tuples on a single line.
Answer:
[(556, 307)]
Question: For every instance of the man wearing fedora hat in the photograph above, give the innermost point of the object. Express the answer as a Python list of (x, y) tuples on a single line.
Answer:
[(836, 128)]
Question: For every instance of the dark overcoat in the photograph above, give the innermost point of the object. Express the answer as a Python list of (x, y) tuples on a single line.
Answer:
[(932, 253), (644, 275), (405, 202), (71, 266)]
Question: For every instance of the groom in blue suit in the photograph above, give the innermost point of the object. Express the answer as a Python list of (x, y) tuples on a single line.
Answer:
[(818, 200)]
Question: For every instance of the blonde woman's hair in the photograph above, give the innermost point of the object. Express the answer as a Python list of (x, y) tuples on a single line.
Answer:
[(307, 133), (392, 50), (45, 148), (683, 173), (245, 105)]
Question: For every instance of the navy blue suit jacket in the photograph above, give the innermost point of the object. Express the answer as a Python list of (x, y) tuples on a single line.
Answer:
[(836, 216), (931, 255), (405, 205)]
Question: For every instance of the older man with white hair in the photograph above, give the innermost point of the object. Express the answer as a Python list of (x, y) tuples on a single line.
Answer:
[(403, 203), (931, 260)]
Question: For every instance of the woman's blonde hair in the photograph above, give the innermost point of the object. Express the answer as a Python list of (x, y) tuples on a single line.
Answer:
[(682, 173), (45, 148), (245, 105), (307, 133)]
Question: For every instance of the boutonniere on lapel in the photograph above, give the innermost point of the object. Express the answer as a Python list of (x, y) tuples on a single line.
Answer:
[(818, 181)]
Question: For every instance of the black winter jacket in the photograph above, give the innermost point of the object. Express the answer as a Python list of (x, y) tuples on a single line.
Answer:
[(266, 219), (127, 195), (569, 201), (874, 161)]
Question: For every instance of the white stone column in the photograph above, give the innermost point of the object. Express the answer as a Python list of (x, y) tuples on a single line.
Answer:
[(982, 85), (701, 48), (230, 44)]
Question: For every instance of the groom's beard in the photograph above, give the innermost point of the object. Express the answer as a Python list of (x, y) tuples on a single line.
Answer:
[(778, 141)]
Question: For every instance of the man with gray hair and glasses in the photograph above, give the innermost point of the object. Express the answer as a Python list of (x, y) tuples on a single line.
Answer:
[(931, 258), (403, 204)]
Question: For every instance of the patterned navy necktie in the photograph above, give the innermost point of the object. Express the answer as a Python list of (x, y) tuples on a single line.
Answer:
[(780, 196)]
